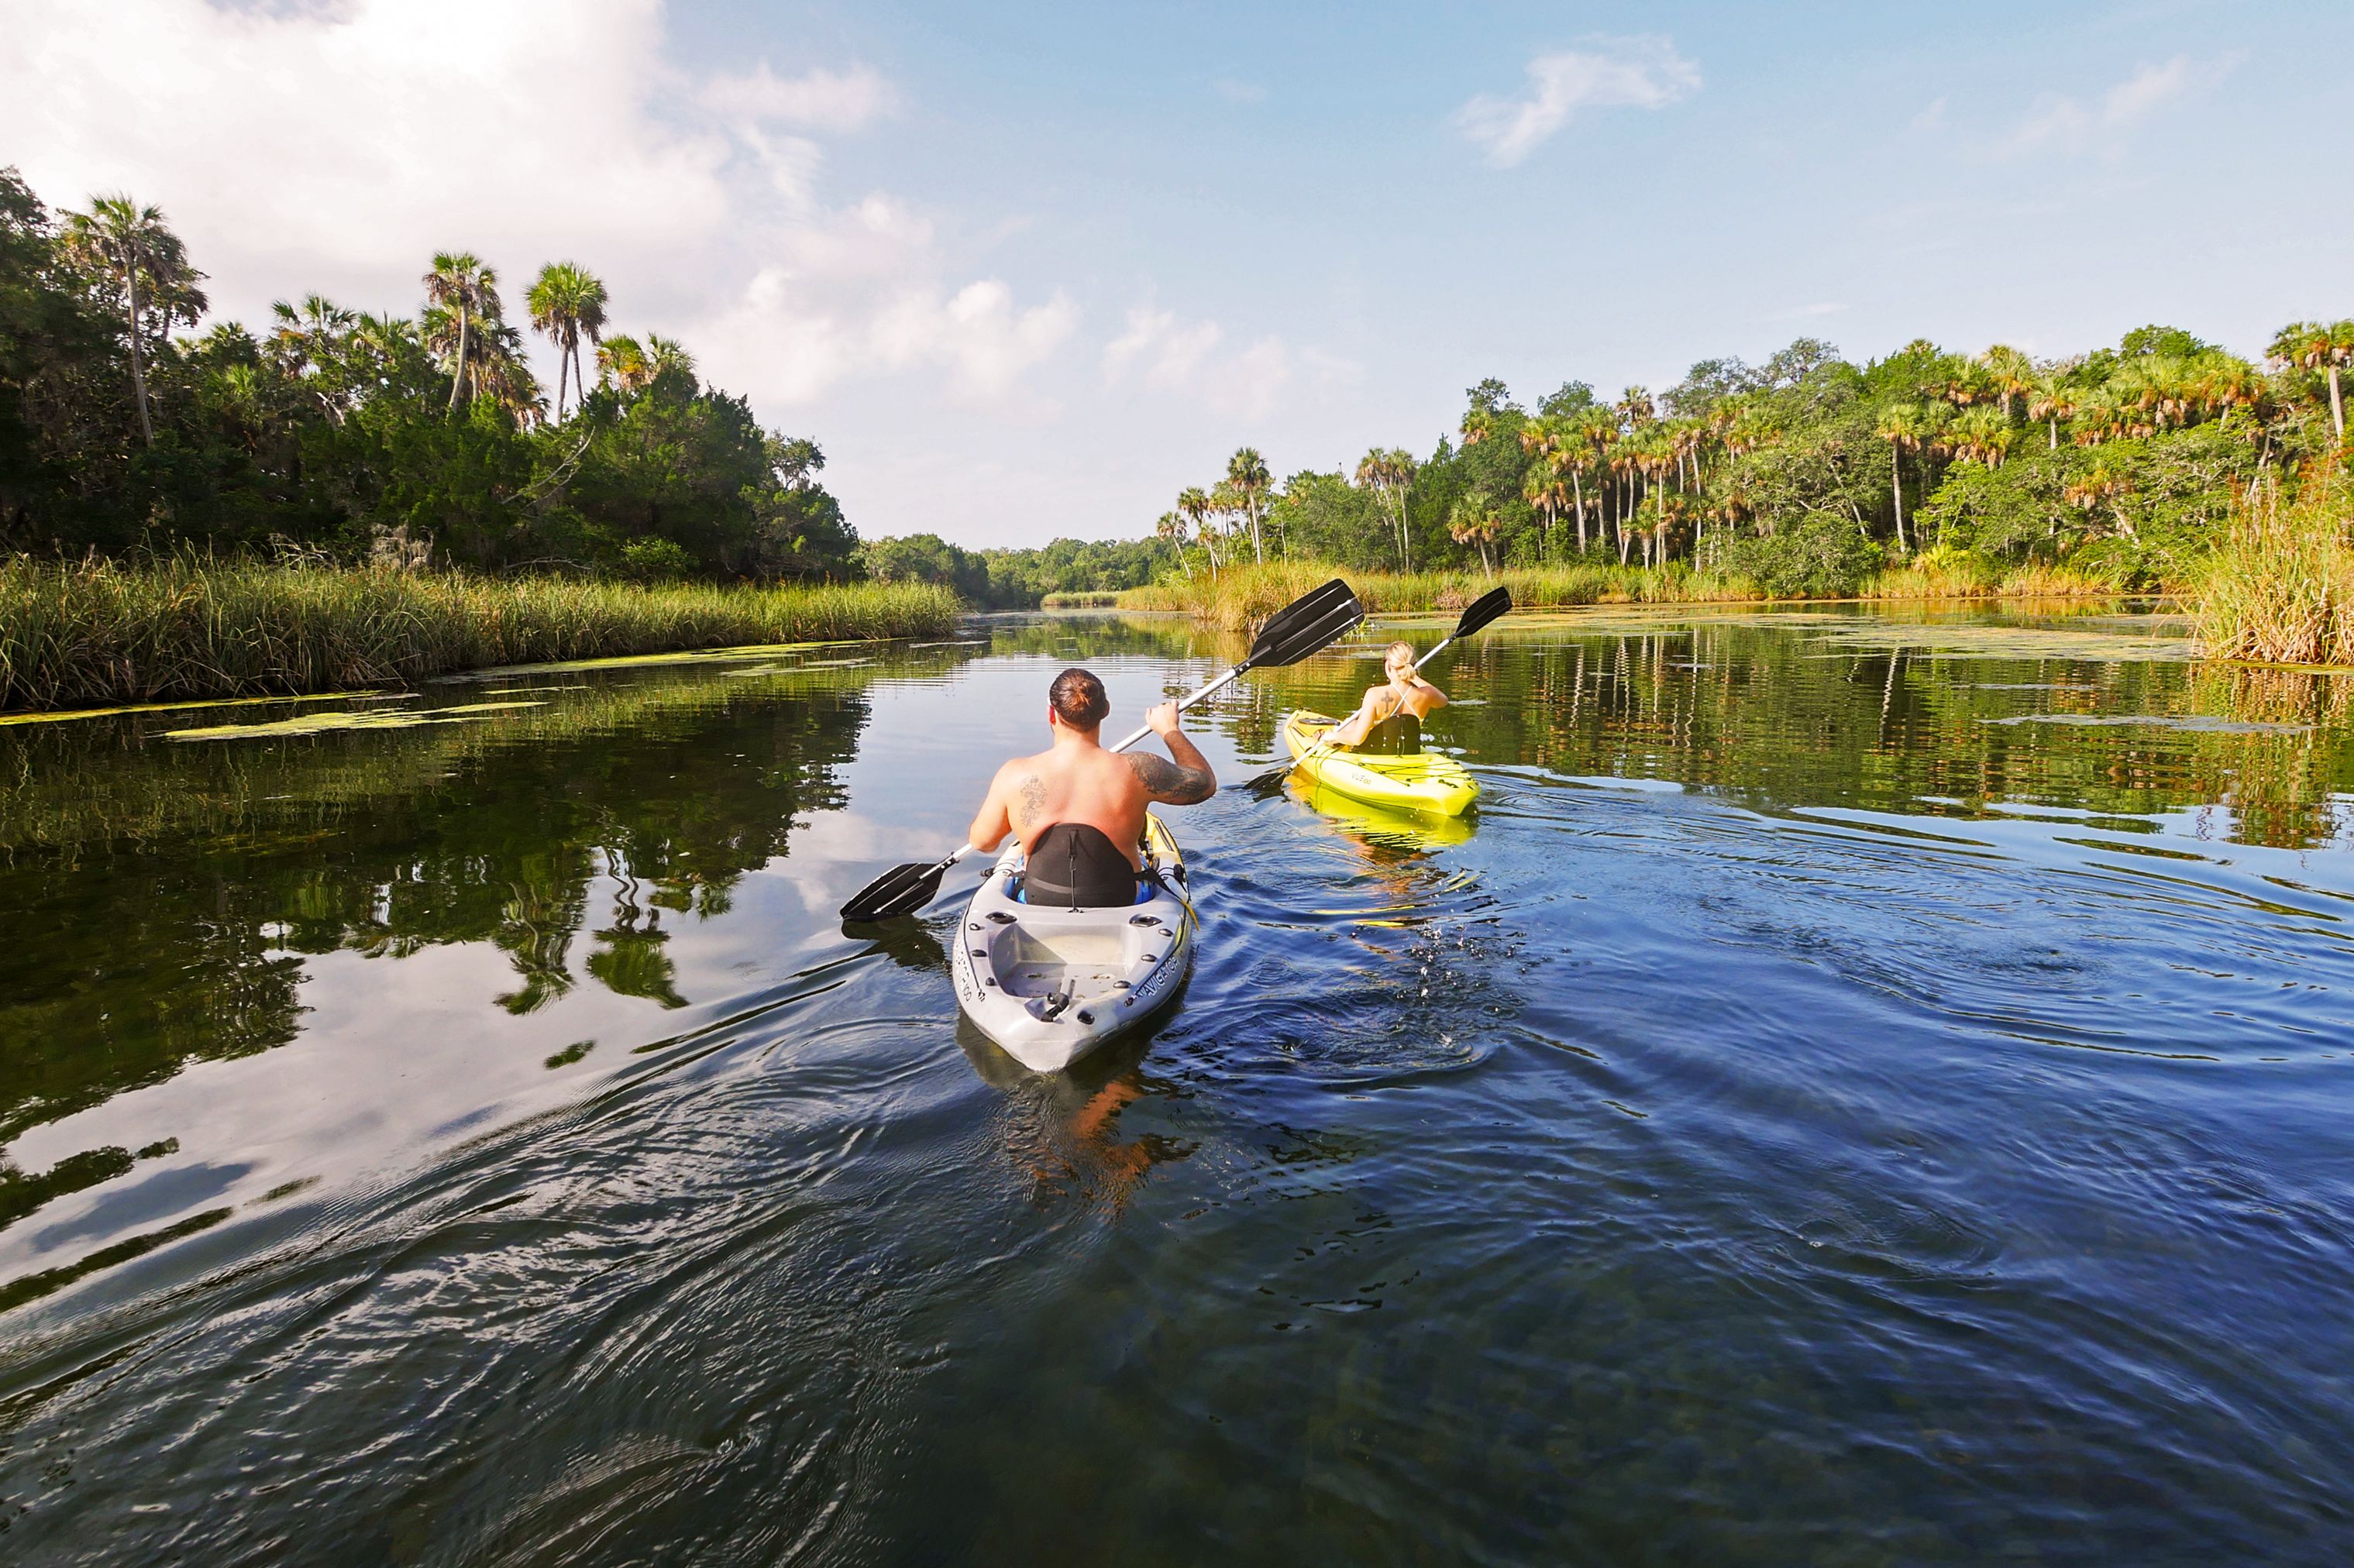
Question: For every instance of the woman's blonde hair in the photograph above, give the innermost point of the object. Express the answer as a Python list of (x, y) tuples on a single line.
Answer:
[(1394, 648)]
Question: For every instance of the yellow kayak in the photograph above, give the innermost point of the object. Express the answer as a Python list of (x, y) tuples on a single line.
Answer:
[(1416, 830), (1423, 782)]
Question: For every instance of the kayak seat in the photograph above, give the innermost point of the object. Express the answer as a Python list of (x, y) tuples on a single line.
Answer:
[(1400, 734), (1075, 866)]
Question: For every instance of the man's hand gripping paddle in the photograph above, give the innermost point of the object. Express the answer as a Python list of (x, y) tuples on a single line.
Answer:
[(1308, 624)]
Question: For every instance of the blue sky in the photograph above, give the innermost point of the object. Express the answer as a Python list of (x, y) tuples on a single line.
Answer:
[(1025, 272)]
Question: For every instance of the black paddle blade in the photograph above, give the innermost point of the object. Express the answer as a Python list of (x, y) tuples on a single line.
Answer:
[(901, 890), (1484, 608), (1306, 625)]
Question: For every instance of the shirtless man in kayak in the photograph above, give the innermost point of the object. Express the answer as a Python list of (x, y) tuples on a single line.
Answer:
[(1390, 715), (1079, 808)]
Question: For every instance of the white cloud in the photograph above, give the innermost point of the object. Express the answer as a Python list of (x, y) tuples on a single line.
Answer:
[(2073, 125), (976, 334), (336, 147), (339, 148), (1177, 356), (821, 100), (1610, 73), (1170, 352), (1238, 91), (1806, 313)]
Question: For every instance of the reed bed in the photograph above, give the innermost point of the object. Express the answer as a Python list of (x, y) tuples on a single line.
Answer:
[(1091, 600), (1242, 598), (2280, 589), (99, 633)]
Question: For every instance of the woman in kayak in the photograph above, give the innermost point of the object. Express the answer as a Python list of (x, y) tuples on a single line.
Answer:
[(1389, 720)]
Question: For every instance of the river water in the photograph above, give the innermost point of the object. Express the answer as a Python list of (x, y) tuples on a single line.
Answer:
[(1862, 1088)]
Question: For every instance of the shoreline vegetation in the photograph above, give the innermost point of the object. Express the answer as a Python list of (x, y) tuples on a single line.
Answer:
[(1244, 596), (101, 633), (339, 496)]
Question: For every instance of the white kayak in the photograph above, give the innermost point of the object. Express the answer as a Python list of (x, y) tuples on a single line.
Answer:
[(1050, 985)]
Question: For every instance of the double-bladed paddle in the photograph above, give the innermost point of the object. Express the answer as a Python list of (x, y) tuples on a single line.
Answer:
[(1307, 624), (1488, 607)]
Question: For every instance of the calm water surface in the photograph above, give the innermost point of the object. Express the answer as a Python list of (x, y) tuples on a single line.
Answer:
[(1861, 1089)]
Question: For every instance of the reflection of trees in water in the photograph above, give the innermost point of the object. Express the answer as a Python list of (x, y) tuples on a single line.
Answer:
[(180, 939), (1776, 718)]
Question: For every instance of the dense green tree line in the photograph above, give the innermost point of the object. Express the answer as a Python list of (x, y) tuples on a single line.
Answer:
[(1808, 473), (356, 436), (1018, 579)]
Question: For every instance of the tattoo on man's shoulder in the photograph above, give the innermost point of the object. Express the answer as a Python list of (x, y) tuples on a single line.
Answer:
[(1167, 782), (1031, 803)]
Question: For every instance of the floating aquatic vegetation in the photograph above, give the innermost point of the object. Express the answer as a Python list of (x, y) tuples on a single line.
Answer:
[(648, 661), (320, 724), (176, 707), (2202, 723)]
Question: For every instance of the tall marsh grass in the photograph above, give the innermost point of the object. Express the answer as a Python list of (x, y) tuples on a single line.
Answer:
[(2280, 589), (1243, 597), (98, 633)]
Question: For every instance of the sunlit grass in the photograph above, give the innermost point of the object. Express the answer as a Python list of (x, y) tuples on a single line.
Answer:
[(101, 633), (1243, 597), (2280, 589)]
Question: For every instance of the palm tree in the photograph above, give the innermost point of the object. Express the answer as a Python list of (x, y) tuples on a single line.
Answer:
[(567, 304), (130, 244), (666, 357), (1171, 528), (1473, 520), (308, 340), (2102, 483), (1901, 426), (1246, 471), (1983, 436), (2312, 345), (460, 284), (2012, 372), (2051, 399), (622, 360), (1389, 474)]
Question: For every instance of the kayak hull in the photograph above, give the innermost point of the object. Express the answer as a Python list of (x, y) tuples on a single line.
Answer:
[(1048, 985), (1425, 781)]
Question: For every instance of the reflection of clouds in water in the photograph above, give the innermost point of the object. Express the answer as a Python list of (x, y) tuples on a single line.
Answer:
[(391, 1053)]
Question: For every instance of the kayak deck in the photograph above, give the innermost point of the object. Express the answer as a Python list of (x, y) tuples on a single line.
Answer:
[(1050, 985), (1425, 781)]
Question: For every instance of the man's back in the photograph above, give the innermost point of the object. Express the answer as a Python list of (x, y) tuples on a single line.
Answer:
[(1078, 787), (1079, 782)]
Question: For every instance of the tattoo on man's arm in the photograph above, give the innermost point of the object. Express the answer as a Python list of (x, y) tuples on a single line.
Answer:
[(1031, 804), (1167, 782)]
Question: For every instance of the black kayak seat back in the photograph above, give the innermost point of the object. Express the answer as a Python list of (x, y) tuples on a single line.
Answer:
[(1075, 866), (1400, 734)]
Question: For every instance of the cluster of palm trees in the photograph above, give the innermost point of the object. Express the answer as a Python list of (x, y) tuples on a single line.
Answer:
[(1621, 466), (465, 325), (1232, 510)]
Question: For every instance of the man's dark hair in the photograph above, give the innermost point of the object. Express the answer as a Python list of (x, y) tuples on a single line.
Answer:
[(1079, 698)]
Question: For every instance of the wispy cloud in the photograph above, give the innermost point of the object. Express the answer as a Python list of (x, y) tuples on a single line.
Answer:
[(2063, 122), (1806, 313), (1643, 72), (1168, 349), (818, 100), (1238, 91)]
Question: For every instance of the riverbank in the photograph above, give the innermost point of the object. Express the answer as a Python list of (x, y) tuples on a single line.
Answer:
[(101, 633), (2280, 590), (1243, 596)]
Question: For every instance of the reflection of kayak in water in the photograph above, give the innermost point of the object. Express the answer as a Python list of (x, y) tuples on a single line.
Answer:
[(1403, 830), (1050, 985), (1425, 781)]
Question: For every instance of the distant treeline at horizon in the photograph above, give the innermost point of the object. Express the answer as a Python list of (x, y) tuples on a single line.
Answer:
[(1809, 474), (343, 437)]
